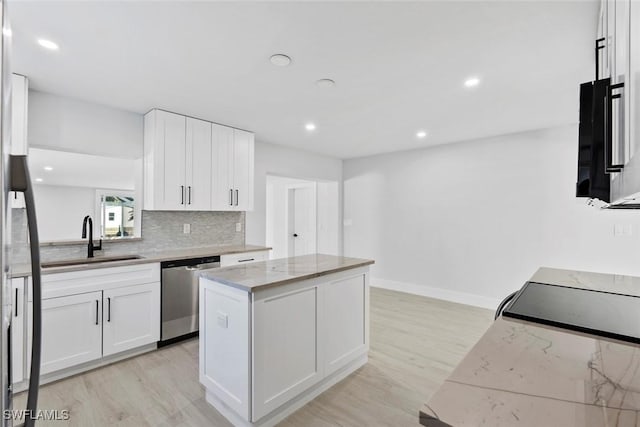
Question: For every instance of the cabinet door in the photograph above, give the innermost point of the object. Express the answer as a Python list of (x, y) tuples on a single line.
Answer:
[(18, 344), (633, 85), (71, 331), (171, 140), (346, 331), (131, 317), (222, 195), (603, 69), (19, 108), (286, 358), (243, 146), (198, 165)]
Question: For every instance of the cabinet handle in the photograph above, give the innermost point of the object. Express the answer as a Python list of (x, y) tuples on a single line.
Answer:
[(230, 197), (97, 311), (108, 309), (237, 197), (189, 187), (598, 47), (246, 260), (16, 302), (609, 167), (182, 194)]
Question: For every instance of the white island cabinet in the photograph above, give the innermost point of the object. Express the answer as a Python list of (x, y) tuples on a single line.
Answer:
[(275, 334)]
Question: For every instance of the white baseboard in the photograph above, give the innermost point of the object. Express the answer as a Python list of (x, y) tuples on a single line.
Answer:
[(437, 293)]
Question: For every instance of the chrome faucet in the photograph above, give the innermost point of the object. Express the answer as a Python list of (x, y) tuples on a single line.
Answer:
[(90, 246)]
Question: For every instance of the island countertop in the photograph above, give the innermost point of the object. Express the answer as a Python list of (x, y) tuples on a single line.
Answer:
[(276, 272), (526, 374)]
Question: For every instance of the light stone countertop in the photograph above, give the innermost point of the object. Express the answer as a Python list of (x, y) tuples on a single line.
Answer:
[(264, 274), (22, 270), (526, 374)]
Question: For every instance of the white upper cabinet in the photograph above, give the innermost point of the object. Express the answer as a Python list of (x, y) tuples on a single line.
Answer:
[(222, 196), (196, 165), (164, 160), (232, 158), (19, 108), (619, 59), (243, 146)]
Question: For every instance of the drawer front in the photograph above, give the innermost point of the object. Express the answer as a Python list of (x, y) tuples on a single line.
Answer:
[(96, 279), (243, 258)]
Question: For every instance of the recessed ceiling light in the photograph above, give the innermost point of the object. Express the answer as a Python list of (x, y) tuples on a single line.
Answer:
[(48, 168), (38, 179), (310, 127), (48, 44), (472, 82), (421, 134), (7, 31), (280, 60), (326, 83)]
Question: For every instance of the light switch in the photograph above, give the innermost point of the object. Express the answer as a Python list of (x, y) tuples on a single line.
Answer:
[(238, 227), (223, 320), (186, 228)]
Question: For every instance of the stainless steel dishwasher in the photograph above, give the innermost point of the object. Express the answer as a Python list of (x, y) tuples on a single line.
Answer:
[(179, 308)]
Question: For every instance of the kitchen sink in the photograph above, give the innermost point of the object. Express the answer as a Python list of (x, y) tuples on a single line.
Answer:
[(82, 261)]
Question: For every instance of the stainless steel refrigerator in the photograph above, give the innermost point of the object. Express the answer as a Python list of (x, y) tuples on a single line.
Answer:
[(14, 176)]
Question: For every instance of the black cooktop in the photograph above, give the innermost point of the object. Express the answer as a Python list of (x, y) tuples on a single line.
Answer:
[(600, 313)]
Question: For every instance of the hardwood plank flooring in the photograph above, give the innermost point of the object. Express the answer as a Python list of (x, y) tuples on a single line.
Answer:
[(415, 344)]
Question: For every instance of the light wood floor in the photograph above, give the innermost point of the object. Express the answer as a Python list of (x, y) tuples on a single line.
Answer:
[(415, 343)]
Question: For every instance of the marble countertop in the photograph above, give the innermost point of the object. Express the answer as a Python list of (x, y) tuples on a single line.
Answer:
[(22, 270), (526, 374), (261, 275)]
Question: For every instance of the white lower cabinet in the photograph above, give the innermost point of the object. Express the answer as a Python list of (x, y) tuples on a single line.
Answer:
[(71, 331), (263, 352), (131, 317), (18, 344), (286, 354), (91, 314)]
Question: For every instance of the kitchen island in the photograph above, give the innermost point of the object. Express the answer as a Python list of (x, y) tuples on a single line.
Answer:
[(527, 374), (275, 334)]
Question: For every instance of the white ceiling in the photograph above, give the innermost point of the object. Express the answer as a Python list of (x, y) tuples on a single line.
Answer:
[(399, 66)]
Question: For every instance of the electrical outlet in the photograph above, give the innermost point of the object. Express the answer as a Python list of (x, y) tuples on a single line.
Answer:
[(238, 227), (186, 228), (618, 230)]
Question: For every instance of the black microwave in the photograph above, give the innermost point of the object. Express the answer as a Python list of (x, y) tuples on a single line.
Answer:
[(594, 147)]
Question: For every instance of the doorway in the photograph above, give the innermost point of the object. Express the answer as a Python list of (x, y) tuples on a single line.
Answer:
[(302, 216)]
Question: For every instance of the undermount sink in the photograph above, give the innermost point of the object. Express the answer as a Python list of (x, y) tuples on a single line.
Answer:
[(81, 261)]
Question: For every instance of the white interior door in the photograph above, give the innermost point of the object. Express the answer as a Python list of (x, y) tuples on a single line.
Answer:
[(302, 221)]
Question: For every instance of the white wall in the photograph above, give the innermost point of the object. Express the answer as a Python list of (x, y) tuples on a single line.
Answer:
[(61, 209), (473, 221), (277, 160), (329, 218), (72, 125)]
